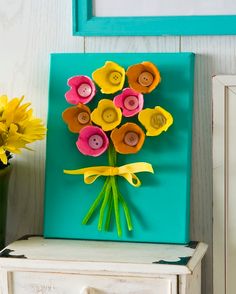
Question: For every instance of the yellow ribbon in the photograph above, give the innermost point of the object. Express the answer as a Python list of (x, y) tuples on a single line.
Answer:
[(126, 171)]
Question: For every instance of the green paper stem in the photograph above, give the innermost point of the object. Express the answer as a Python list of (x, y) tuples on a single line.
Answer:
[(126, 210), (116, 205), (95, 203), (109, 212), (104, 204)]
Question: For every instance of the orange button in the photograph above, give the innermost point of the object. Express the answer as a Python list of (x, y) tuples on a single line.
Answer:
[(131, 139), (145, 79), (83, 117)]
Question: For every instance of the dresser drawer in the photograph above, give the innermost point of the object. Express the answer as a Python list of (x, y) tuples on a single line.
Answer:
[(56, 283)]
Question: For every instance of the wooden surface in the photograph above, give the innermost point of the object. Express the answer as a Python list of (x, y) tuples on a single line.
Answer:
[(29, 30), (224, 188), (121, 256), (38, 265)]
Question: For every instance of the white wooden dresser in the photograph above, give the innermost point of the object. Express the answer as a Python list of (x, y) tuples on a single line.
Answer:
[(50, 266)]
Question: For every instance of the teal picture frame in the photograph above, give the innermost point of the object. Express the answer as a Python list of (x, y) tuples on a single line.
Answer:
[(85, 24)]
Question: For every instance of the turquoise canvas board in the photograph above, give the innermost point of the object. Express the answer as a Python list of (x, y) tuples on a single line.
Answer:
[(160, 207)]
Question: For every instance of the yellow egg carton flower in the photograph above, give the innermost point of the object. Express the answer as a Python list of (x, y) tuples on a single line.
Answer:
[(110, 78), (106, 115), (155, 120)]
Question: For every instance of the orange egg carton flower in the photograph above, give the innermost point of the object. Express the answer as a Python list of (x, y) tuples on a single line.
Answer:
[(106, 115), (110, 78), (143, 77), (128, 139), (77, 117), (155, 120)]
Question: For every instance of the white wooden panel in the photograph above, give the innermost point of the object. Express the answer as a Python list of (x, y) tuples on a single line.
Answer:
[(30, 282), (132, 44), (29, 31), (162, 7), (190, 284), (215, 55), (231, 216), (224, 162), (219, 102)]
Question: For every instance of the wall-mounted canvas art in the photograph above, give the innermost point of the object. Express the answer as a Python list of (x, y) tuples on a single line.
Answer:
[(119, 147)]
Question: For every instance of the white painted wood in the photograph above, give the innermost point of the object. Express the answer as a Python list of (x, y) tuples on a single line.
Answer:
[(219, 100), (4, 284), (163, 8), (132, 44), (231, 215), (214, 55), (190, 284), (67, 266), (29, 282), (224, 188), (29, 31), (114, 257)]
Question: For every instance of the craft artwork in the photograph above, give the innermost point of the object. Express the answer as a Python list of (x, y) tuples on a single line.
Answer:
[(116, 126)]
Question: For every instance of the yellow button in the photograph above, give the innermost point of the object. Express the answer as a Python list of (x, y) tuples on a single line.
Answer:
[(83, 117), (145, 79), (158, 120), (115, 77), (109, 115)]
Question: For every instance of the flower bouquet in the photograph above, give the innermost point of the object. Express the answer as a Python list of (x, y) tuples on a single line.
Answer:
[(117, 126), (18, 128)]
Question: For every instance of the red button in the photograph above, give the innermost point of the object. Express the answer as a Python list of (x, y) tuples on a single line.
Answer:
[(131, 102), (83, 117), (131, 139), (84, 90), (95, 141)]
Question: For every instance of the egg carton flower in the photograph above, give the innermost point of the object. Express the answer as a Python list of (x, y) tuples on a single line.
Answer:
[(101, 129)]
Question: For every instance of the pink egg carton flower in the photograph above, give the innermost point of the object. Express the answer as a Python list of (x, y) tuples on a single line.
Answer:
[(130, 101), (92, 141), (82, 90)]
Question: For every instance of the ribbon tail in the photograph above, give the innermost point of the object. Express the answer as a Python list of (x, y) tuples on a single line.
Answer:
[(132, 179)]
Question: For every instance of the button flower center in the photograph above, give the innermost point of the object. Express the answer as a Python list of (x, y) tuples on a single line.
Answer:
[(145, 79), (115, 77), (95, 142), (131, 102), (158, 120), (84, 90), (83, 117), (131, 139), (109, 115)]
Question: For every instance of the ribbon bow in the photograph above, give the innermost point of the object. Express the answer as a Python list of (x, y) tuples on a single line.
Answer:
[(126, 171)]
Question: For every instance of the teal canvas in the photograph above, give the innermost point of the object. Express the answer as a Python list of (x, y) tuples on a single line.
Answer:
[(160, 207)]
